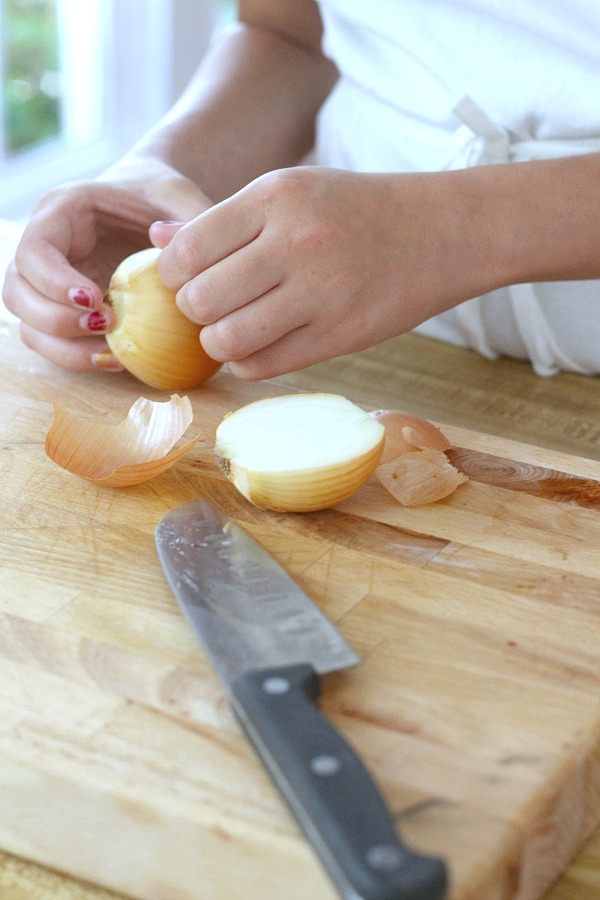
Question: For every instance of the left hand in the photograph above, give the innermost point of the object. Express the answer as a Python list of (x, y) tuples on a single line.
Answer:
[(309, 263)]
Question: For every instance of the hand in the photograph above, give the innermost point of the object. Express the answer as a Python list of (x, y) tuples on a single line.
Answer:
[(306, 264), (77, 236)]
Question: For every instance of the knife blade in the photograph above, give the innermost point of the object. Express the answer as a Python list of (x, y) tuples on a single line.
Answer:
[(269, 643)]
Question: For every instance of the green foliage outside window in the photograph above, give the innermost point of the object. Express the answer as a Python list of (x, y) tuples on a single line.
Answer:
[(31, 79)]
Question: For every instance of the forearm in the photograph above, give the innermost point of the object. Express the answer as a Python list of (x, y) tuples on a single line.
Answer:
[(529, 222), (250, 108)]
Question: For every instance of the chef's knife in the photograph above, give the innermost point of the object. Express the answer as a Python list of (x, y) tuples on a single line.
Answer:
[(269, 643)]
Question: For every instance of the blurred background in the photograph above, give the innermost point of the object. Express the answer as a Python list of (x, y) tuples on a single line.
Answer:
[(81, 79)]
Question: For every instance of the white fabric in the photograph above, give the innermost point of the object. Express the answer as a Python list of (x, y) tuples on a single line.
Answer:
[(429, 85)]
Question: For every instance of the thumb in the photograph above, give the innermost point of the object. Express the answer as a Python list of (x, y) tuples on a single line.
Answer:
[(161, 233)]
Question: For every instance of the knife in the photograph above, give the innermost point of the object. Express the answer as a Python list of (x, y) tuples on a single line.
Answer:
[(269, 643)]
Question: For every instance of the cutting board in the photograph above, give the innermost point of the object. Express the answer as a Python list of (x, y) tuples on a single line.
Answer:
[(477, 706)]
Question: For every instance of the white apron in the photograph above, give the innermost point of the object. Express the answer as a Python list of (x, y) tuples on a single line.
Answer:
[(431, 85)]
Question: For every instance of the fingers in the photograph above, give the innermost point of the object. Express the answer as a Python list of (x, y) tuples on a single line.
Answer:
[(69, 336), (56, 319), (161, 233), (231, 284), (210, 238), (77, 236), (295, 350), (253, 327), (81, 354), (43, 258), (51, 276), (66, 254)]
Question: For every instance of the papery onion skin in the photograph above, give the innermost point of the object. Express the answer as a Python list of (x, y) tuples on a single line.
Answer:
[(301, 487), (133, 451), (152, 338), (405, 432), (420, 477)]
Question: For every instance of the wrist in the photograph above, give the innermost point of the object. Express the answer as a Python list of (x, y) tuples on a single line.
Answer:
[(174, 195)]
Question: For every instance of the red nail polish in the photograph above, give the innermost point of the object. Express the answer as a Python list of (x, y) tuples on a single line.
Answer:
[(81, 297), (95, 321)]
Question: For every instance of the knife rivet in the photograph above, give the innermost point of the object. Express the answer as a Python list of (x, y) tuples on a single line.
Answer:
[(325, 765), (385, 857), (276, 685)]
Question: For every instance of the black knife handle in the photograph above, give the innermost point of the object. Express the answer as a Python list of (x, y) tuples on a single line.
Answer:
[(328, 789)]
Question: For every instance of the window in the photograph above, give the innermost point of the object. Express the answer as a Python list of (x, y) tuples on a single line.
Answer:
[(31, 105), (82, 79)]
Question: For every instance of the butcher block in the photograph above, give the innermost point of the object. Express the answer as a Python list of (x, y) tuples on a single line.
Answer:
[(476, 706)]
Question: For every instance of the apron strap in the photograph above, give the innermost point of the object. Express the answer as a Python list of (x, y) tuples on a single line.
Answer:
[(498, 145)]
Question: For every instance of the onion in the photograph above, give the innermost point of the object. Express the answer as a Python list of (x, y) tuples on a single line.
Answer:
[(152, 338), (299, 452), (135, 450)]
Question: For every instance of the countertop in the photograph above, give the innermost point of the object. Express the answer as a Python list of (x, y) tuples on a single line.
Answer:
[(446, 384)]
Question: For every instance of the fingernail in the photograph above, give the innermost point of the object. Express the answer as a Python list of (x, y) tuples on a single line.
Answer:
[(105, 360), (81, 297), (95, 321)]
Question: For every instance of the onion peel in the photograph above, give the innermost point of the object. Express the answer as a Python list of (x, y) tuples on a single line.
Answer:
[(136, 449), (414, 467), (420, 476), (405, 432)]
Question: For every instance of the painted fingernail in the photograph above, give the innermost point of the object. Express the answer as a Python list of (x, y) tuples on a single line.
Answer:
[(81, 297), (95, 321), (105, 360)]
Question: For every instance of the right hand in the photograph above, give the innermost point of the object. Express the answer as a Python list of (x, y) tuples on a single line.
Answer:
[(77, 236)]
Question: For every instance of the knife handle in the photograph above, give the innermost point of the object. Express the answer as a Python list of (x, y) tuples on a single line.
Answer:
[(328, 789)]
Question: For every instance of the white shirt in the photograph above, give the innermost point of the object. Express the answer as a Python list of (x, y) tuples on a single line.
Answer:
[(530, 73)]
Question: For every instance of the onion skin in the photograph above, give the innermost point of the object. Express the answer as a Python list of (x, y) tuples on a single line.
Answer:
[(152, 338), (419, 477), (413, 466), (140, 447), (405, 432)]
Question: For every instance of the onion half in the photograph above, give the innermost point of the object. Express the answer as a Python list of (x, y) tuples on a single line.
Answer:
[(135, 450), (152, 338), (299, 452)]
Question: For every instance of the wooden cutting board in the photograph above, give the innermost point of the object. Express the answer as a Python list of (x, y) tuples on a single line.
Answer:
[(477, 706)]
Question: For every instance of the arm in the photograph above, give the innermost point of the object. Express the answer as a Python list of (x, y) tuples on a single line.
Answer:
[(542, 221), (307, 264), (251, 106)]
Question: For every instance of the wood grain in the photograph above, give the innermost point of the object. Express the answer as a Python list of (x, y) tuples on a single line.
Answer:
[(477, 618)]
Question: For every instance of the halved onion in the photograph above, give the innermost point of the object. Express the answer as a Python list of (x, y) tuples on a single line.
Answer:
[(152, 338), (299, 452), (135, 450)]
